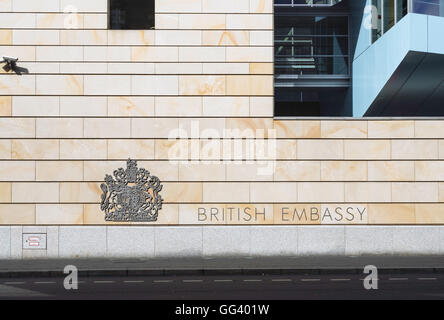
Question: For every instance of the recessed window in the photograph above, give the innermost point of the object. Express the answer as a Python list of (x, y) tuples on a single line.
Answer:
[(131, 14)]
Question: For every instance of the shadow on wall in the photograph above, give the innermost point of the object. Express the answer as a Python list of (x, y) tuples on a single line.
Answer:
[(18, 70)]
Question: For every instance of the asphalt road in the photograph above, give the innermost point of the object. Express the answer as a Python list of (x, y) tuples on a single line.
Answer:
[(222, 263), (229, 287)]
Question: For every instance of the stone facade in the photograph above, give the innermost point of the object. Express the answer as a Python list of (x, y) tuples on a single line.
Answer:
[(92, 98)]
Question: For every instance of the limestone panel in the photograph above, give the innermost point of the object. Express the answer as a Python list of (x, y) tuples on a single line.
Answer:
[(344, 170), (20, 214), (391, 171), (5, 106), (343, 129), (391, 214), (368, 192), (59, 171), (391, 129), (83, 149), (367, 149), (59, 214), (35, 192), (298, 129), (17, 171), (415, 149)]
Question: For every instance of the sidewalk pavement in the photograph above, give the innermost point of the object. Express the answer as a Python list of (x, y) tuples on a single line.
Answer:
[(208, 266)]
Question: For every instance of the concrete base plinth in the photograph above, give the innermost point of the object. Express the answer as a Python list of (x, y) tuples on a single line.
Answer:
[(222, 241)]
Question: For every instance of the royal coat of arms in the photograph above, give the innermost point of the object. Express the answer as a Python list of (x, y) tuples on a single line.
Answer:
[(132, 195)]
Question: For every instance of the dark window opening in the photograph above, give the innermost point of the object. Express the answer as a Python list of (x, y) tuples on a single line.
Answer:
[(131, 14), (311, 102)]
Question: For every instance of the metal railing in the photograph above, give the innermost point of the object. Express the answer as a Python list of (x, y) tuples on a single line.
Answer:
[(305, 3)]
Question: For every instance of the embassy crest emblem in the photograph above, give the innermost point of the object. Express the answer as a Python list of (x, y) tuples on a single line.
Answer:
[(132, 195)]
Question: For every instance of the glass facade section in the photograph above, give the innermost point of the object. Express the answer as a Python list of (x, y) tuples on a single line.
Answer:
[(377, 15), (389, 12), (401, 9), (320, 44)]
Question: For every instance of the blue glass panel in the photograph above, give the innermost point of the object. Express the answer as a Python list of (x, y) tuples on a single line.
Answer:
[(429, 7)]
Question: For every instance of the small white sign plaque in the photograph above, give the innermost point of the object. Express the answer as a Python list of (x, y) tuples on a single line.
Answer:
[(36, 241)]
